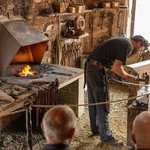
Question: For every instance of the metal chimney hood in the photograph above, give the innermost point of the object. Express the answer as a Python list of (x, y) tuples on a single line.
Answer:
[(15, 34)]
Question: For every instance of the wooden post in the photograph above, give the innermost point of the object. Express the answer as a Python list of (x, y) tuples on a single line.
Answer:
[(133, 17), (149, 102)]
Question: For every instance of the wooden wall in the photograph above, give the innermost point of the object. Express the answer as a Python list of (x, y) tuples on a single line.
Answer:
[(100, 24)]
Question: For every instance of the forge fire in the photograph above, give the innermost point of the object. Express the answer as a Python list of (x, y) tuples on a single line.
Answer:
[(27, 71)]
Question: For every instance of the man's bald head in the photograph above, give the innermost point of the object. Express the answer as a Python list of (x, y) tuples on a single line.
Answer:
[(59, 124), (141, 130)]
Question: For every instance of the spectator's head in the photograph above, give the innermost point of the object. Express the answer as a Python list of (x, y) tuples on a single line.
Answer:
[(139, 42), (141, 131), (59, 125)]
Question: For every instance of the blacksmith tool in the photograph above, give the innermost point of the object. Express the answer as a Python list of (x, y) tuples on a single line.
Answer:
[(59, 73)]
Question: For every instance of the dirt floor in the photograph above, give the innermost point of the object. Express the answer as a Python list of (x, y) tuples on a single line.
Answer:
[(82, 140)]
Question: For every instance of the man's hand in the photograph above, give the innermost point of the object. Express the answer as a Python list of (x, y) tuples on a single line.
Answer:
[(118, 69)]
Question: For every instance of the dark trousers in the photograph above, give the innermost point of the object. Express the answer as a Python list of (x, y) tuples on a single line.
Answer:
[(98, 92)]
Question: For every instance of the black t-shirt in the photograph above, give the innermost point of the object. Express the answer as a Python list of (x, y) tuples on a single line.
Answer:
[(56, 147), (110, 50)]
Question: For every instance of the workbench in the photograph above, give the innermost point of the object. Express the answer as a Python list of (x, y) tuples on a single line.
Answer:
[(26, 91), (123, 113)]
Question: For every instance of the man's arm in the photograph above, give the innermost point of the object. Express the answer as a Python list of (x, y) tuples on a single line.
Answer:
[(118, 69)]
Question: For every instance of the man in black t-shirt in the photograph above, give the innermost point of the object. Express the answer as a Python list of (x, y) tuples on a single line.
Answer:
[(111, 54)]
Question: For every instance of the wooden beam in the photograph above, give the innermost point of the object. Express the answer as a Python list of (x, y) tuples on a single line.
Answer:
[(133, 13)]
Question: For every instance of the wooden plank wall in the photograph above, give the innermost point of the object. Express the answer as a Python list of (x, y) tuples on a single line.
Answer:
[(101, 24)]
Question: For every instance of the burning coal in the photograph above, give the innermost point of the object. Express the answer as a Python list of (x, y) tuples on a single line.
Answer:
[(27, 71)]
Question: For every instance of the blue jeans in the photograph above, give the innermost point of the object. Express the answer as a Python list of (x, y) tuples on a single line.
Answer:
[(98, 92)]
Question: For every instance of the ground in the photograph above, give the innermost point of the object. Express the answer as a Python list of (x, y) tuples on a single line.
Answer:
[(82, 140)]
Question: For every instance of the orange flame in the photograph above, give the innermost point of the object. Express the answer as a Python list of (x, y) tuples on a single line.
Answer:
[(26, 71)]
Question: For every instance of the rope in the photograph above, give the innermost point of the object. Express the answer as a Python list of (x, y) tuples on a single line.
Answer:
[(91, 104), (94, 104)]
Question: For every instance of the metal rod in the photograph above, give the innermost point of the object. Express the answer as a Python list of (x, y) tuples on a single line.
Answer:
[(37, 117), (29, 128), (129, 83)]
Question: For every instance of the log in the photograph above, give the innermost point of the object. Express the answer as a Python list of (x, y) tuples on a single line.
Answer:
[(5, 97), (19, 103)]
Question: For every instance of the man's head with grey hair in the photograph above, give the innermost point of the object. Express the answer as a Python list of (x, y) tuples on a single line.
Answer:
[(59, 124), (141, 131)]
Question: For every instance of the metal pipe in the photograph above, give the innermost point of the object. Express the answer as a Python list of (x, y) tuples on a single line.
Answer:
[(29, 127)]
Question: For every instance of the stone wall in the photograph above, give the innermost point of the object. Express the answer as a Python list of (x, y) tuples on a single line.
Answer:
[(14, 7)]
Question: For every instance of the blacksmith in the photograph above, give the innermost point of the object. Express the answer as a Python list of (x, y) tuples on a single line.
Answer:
[(111, 54)]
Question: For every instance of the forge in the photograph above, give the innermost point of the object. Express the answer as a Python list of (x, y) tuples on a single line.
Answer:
[(20, 44), (23, 79)]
